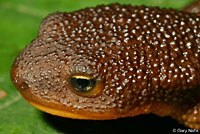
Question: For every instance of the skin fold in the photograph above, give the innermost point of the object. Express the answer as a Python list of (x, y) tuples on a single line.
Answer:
[(114, 61)]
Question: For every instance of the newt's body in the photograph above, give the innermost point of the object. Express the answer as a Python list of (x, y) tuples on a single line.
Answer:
[(114, 61)]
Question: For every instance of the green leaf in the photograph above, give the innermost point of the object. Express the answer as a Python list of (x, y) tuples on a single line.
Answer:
[(19, 23)]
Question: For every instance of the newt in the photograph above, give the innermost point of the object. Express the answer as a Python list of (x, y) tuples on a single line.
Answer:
[(114, 61)]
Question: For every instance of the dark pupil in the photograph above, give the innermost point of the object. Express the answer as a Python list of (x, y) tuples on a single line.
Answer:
[(81, 84)]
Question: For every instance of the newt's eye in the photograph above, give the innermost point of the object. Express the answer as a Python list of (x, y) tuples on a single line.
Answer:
[(85, 86), (82, 84)]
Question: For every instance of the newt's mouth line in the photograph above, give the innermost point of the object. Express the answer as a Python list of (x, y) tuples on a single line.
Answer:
[(74, 115), (57, 112)]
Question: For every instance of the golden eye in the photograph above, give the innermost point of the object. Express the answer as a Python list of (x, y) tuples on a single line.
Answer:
[(82, 84), (85, 86)]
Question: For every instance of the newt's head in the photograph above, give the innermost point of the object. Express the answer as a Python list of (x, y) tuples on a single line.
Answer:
[(68, 69), (109, 62)]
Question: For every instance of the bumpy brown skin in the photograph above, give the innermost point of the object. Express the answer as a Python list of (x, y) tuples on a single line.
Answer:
[(147, 59)]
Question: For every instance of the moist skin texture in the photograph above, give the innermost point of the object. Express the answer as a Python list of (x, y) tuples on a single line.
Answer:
[(144, 60)]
